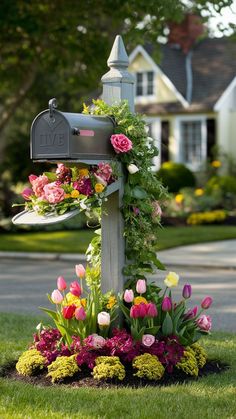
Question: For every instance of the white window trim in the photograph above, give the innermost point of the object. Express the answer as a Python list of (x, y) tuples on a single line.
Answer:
[(143, 98), (156, 135), (177, 135), (140, 50)]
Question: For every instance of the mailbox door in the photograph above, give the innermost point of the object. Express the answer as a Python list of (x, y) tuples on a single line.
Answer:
[(50, 136)]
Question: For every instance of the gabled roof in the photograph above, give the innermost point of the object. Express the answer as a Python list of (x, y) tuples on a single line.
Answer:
[(213, 69)]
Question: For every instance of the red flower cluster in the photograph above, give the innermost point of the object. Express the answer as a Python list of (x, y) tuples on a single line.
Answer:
[(49, 345), (143, 310)]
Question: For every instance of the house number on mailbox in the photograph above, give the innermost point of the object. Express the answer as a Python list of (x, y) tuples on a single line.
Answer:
[(52, 139)]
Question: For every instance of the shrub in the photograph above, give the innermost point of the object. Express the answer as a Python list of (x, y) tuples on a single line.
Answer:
[(200, 354), (188, 363), (30, 362), (176, 176), (207, 217), (108, 367), (62, 367), (224, 184), (148, 366)]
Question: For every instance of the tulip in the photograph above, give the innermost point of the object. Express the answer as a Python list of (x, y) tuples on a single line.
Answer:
[(61, 283), (134, 312), (104, 318), (166, 304), (80, 271), (151, 310), (204, 323), (68, 311), (142, 310), (27, 192), (80, 313), (75, 289), (187, 291), (56, 297), (206, 303), (128, 296), (191, 313), (148, 340), (32, 178), (171, 280), (141, 286), (132, 169)]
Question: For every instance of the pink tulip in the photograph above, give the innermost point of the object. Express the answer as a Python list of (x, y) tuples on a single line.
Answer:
[(32, 178), (103, 318), (80, 271), (27, 192), (166, 304), (141, 286), (56, 297), (206, 303), (75, 289), (204, 323), (61, 283), (151, 310), (80, 313), (142, 310), (191, 313), (148, 340), (134, 312), (128, 296)]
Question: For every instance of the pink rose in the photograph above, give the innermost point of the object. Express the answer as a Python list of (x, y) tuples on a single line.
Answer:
[(121, 143), (38, 185), (27, 192), (53, 193), (204, 322), (148, 340)]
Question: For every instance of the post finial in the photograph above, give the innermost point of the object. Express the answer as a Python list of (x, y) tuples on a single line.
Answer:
[(118, 56)]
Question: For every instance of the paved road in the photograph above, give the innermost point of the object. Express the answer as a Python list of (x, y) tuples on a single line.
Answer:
[(25, 283)]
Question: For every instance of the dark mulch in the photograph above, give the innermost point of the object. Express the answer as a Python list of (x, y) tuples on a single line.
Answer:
[(84, 378)]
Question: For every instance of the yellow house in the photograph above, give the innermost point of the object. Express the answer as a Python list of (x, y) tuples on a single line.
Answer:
[(189, 99)]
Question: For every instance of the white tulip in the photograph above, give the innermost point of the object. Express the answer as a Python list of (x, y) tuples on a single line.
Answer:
[(132, 169), (104, 318)]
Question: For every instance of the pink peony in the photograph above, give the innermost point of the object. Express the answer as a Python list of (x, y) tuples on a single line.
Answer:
[(121, 143), (38, 185), (148, 340), (32, 178), (96, 341), (204, 322), (105, 171), (27, 192), (53, 193)]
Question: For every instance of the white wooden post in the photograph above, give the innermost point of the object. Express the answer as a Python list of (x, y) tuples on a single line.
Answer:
[(118, 84)]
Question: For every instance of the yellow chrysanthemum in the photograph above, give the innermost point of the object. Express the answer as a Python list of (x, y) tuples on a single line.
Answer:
[(216, 164), (72, 299), (179, 198), (111, 301), (199, 192), (139, 300), (83, 302), (67, 195), (83, 172), (99, 187), (74, 194)]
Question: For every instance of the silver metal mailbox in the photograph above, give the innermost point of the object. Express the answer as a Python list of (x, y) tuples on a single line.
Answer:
[(62, 136)]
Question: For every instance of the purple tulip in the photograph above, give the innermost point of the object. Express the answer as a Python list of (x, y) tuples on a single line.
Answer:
[(166, 304), (191, 313), (187, 291)]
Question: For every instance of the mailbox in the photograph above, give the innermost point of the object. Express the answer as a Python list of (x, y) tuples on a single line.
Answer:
[(67, 136)]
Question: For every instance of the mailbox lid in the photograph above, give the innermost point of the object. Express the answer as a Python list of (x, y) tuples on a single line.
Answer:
[(50, 136), (93, 139)]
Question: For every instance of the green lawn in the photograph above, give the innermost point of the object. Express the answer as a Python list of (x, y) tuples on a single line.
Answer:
[(77, 241), (210, 397)]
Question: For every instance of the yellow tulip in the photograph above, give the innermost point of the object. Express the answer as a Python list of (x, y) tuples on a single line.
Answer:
[(171, 280)]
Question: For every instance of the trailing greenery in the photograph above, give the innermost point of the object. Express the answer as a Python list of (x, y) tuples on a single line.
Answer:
[(142, 192)]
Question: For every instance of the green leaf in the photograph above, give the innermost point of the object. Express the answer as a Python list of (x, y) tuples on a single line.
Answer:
[(51, 176), (152, 330), (139, 193), (167, 326), (51, 313)]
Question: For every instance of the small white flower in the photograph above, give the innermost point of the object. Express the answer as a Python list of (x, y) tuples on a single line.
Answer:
[(146, 129), (104, 318), (83, 205), (132, 169)]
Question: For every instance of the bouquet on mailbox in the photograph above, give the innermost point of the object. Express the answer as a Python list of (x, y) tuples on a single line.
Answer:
[(68, 189)]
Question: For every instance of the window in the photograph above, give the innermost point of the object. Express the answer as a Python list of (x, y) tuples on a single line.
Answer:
[(145, 83), (193, 142)]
